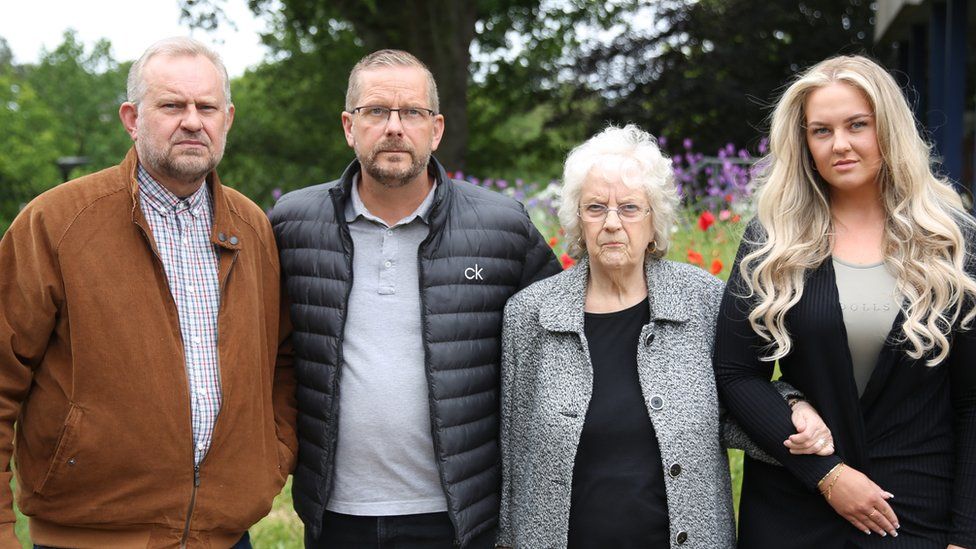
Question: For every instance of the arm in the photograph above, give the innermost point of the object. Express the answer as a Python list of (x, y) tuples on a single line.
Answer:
[(31, 294), (540, 262), (743, 381), (962, 372), (808, 423)]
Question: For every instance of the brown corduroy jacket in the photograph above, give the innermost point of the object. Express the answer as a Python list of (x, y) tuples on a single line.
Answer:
[(92, 373)]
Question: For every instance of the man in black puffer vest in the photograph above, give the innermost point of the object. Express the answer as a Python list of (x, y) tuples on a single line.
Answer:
[(397, 277)]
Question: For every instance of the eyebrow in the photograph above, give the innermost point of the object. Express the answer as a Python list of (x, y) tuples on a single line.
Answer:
[(848, 119)]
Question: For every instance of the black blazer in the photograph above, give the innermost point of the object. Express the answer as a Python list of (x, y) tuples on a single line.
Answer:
[(913, 431)]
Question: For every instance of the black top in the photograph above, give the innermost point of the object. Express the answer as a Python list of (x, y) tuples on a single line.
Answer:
[(913, 431), (618, 497)]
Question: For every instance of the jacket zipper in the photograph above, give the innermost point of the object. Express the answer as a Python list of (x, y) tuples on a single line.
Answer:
[(193, 502), (435, 435), (334, 412)]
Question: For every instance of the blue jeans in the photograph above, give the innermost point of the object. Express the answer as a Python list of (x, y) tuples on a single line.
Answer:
[(422, 531), (243, 543)]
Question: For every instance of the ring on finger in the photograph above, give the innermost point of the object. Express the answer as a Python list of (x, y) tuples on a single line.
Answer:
[(821, 443), (872, 513)]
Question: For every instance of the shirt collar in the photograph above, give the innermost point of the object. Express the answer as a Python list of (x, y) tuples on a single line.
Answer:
[(355, 207), (163, 201)]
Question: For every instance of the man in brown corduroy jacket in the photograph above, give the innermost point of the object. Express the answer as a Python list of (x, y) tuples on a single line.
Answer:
[(140, 330)]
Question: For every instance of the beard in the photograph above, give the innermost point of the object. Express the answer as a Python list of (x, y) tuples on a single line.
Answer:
[(394, 176), (188, 166)]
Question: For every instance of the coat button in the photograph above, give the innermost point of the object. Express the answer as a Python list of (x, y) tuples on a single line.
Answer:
[(71, 461), (681, 538), (222, 237), (657, 402), (233, 240), (649, 339), (675, 470)]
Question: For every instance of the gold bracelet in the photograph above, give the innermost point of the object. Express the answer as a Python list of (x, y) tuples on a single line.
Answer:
[(825, 477), (833, 481)]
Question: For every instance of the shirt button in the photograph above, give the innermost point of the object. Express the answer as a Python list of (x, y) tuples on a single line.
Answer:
[(195, 340), (388, 264), (190, 289), (201, 447), (186, 240), (201, 392)]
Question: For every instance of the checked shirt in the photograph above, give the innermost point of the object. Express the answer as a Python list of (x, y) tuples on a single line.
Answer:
[(181, 229)]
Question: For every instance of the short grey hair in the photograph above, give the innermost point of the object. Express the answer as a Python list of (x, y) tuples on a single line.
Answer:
[(633, 155), (389, 58), (173, 47)]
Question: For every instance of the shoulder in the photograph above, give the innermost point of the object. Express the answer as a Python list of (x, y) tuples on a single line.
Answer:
[(302, 203), (544, 293), (56, 210), (686, 286), (484, 201)]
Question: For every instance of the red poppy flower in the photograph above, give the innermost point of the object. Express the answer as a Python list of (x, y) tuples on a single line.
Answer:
[(717, 266), (553, 241), (695, 258), (567, 261), (736, 218), (706, 220)]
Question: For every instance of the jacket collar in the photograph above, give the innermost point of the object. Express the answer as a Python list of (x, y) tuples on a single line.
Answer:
[(435, 216), (225, 232), (563, 310)]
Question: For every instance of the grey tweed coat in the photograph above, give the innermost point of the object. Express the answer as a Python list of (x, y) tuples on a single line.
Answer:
[(547, 381)]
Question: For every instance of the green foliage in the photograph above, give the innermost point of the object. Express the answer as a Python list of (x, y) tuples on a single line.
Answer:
[(287, 131), (66, 105)]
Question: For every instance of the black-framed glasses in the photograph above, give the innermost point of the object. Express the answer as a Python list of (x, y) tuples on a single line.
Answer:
[(377, 115), (626, 212)]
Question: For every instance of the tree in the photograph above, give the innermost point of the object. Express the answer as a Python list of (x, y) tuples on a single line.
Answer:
[(439, 32), (709, 69), (84, 90)]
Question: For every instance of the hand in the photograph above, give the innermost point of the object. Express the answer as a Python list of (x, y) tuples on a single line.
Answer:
[(812, 435), (862, 502), (954, 547)]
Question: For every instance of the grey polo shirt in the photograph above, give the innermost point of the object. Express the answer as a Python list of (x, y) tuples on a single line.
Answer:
[(385, 462)]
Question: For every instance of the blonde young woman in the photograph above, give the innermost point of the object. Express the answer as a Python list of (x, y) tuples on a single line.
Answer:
[(857, 276)]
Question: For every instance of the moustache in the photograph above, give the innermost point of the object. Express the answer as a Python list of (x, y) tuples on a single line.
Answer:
[(395, 145)]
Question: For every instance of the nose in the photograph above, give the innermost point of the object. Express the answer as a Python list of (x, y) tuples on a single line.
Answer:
[(394, 126), (191, 121), (842, 142), (612, 221)]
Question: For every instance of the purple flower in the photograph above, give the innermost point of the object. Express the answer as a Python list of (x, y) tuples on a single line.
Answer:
[(687, 143), (276, 193)]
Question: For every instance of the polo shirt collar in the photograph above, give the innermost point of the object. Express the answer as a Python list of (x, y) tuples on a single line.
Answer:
[(355, 207)]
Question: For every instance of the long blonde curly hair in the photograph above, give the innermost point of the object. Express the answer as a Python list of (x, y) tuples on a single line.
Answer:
[(923, 242)]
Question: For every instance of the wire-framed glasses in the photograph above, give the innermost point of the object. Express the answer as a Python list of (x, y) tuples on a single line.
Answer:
[(626, 212), (378, 115)]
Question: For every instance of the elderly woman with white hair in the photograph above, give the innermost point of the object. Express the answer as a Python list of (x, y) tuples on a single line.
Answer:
[(611, 432)]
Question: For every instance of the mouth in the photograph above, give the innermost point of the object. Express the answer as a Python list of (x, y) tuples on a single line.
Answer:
[(191, 143), (844, 163)]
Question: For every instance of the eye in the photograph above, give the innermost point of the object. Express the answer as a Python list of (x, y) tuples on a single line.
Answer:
[(819, 131), (207, 108), (411, 113), (594, 208), (376, 111), (630, 209), (859, 124)]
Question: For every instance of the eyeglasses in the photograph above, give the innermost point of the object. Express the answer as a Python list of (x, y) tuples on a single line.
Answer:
[(376, 115), (626, 212)]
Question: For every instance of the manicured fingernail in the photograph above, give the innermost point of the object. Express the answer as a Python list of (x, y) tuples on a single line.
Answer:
[(897, 526), (894, 534), (883, 534), (868, 532)]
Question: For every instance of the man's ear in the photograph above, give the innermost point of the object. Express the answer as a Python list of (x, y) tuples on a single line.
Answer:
[(128, 113), (347, 129)]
